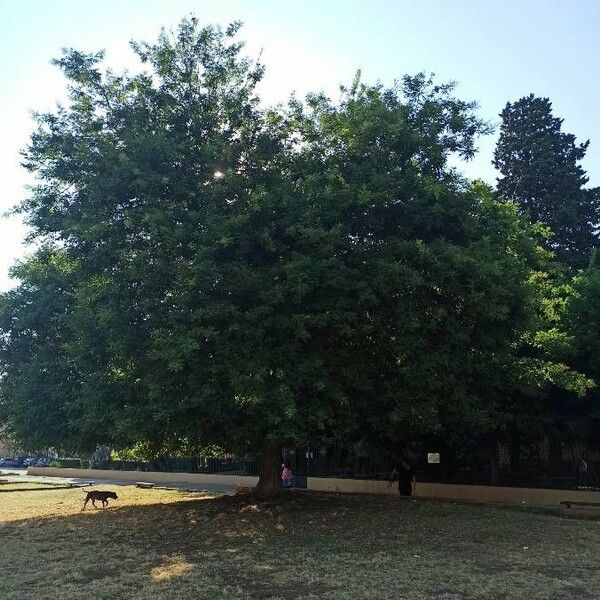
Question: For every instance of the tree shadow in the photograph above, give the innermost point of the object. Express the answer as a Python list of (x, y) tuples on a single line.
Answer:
[(297, 547), (211, 547)]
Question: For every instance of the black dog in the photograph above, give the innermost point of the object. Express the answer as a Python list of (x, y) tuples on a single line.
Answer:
[(98, 495)]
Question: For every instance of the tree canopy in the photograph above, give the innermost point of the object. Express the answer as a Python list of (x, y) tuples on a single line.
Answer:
[(214, 271)]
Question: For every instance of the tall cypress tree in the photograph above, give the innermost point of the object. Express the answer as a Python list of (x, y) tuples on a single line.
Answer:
[(541, 171)]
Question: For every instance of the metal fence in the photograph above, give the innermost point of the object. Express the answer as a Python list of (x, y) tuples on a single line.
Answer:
[(225, 465), (575, 466)]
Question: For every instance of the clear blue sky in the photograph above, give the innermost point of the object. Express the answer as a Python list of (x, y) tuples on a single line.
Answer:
[(496, 51)]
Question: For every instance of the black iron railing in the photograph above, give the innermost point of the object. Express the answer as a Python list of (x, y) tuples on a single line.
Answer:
[(573, 470)]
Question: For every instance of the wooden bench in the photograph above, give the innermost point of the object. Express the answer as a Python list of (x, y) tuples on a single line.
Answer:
[(145, 485)]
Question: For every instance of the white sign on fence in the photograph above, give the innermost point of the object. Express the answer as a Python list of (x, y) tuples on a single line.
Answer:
[(433, 458)]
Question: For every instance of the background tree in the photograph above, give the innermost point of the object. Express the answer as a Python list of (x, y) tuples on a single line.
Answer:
[(541, 171), (39, 380), (582, 321), (253, 278), (583, 318)]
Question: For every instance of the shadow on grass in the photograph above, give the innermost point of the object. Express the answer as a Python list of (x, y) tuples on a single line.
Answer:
[(211, 547), (297, 547)]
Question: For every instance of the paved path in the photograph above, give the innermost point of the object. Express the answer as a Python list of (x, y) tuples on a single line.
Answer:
[(19, 475)]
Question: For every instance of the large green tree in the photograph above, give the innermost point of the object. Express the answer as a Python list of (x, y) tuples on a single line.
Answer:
[(540, 168), (252, 278)]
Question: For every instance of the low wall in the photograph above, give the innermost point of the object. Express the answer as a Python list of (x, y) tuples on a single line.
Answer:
[(351, 486), (148, 476), (441, 491), (488, 494), (504, 495)]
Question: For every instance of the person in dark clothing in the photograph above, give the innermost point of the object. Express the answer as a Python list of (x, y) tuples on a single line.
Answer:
[(582, 473), (405, 475)]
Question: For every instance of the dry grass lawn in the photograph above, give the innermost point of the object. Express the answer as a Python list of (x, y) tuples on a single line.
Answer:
[(159, 545)]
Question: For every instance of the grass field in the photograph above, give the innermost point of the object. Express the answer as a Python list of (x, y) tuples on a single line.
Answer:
[(158, 544)]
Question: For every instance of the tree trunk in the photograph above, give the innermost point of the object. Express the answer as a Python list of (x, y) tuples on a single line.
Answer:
[(270, 461)]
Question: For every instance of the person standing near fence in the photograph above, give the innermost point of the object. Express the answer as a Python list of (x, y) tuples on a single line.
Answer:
[(406, 476), (582, 472), (287, 476)]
